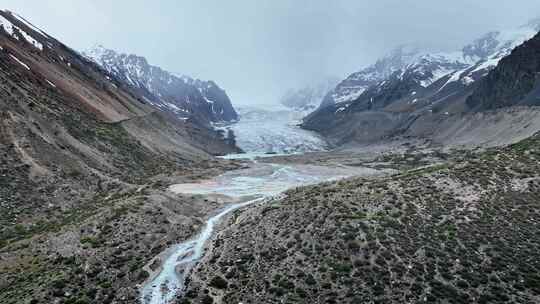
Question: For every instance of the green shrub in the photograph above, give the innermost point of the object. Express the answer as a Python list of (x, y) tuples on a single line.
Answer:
[(219, 282)]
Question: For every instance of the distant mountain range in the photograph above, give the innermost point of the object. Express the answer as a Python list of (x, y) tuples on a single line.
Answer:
[(184, 96), (408, 92), (464, 65)]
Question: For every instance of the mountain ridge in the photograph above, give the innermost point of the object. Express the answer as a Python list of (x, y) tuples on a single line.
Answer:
[(182, 95), (412, 102), (482, 53)]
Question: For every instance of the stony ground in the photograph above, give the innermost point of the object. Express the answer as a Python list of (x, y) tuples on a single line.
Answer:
[(462, 232)]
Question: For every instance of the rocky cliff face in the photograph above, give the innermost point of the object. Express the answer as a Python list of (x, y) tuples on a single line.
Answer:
[(187, 98), (513, 82), (409, 87)]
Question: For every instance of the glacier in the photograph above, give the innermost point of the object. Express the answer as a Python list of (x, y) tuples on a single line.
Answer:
[(274, 130)]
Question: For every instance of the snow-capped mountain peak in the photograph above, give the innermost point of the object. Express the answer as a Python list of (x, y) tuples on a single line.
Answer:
[(426, 68), (396, 60), (184, 96), (407, 60)]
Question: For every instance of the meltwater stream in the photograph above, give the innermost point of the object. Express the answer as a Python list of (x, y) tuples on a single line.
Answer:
[(259, 182), (170, 281)]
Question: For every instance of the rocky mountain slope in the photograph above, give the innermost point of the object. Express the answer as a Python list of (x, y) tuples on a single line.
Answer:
[(412, 93), (82, 152), (477, 57), (181, 95), (462, 232), (352, 87), (513, 82)]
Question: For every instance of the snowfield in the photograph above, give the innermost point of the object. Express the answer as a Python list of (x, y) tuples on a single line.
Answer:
[(16, 32)]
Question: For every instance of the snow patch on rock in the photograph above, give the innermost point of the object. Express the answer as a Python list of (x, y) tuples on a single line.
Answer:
[(15, 32), (20, 62)]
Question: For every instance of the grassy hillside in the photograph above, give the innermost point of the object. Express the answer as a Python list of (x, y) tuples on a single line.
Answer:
[(464, 232)]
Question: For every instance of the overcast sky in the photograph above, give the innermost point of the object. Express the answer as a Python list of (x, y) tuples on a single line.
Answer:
[(256, 49)]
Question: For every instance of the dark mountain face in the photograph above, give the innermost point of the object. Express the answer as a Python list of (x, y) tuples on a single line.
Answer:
[(425, 89), (218, 101), (513, 82), (187, 98)]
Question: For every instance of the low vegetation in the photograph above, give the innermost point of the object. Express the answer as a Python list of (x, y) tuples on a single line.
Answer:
[(466, 232)]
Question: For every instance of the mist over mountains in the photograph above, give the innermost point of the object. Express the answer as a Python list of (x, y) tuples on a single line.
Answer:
[(294, 43)]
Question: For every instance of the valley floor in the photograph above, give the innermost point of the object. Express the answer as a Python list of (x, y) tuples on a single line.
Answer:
[(264, 178), (408, 226)]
